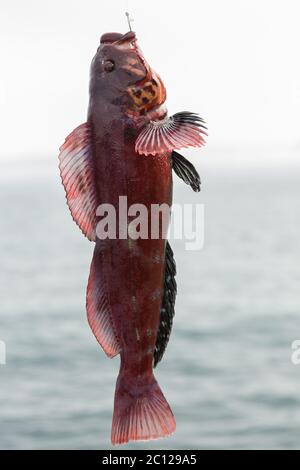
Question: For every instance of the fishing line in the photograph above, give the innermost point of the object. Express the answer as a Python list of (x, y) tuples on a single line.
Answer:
[(128, 14)]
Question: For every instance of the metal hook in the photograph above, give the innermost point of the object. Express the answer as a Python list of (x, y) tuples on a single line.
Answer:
[(129, 20)]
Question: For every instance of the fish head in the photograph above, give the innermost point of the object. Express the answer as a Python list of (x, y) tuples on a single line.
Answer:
[(122, 76)]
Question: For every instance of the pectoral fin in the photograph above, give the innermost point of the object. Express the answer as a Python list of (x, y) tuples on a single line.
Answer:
[(186, 171), (77, 174), (183, 129)]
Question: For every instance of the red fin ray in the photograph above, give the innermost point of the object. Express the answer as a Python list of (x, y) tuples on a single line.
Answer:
[(181, 130), (77, 174), (140, 414), (98, 309)]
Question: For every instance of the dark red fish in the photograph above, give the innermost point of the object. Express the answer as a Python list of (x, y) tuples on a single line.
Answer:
[(126, 148)]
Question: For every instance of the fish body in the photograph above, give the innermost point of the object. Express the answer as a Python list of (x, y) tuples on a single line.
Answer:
[(125, 149)]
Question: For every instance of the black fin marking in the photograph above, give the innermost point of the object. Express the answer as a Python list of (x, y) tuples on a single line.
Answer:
[(167, 310), (186, 171)]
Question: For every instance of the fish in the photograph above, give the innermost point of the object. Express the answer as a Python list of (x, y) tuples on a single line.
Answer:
[(128, 148)]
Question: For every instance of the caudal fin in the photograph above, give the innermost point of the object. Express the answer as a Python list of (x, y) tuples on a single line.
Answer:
[(141, 412)]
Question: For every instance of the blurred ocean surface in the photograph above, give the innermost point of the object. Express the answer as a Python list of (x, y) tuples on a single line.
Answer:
[(227, 372)]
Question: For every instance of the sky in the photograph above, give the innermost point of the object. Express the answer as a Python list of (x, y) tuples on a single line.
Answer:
[(235, 62)]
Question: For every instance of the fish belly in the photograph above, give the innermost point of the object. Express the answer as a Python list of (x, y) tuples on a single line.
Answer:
[(134, 268)]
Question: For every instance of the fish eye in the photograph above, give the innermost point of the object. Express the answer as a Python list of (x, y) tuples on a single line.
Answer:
[(109, 65)]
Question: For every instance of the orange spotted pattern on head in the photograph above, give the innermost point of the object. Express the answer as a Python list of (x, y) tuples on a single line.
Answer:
[(148, 94)]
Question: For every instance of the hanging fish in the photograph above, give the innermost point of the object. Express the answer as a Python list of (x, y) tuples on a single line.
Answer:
[(127, 148)]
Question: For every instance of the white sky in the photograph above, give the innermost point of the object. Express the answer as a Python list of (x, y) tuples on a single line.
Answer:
[(235, 62)]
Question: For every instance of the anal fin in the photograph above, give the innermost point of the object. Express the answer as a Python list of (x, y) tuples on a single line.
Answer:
[(167, 310)]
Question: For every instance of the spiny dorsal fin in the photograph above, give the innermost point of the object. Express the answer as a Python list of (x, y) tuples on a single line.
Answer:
[(183, 129), (167, 310), (77, 175), (186, 171)]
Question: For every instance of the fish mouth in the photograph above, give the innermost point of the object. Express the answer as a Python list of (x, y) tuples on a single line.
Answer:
[(127, 37), (115, 38), (118, 39)]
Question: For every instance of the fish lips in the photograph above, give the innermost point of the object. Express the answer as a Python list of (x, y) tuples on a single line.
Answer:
[(117, 38), (127, 37)]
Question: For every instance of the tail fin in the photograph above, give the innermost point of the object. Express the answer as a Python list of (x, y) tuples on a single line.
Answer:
[(141, 412)]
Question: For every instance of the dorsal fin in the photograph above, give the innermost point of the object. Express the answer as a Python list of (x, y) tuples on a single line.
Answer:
[(77, 174), (183, 129), (99, 309), (167, 310)]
